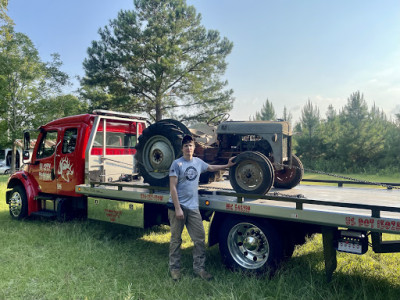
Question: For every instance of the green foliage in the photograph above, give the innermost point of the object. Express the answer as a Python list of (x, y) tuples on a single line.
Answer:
[(30, 90), (158, 59), (267, 113), (4, 18), (308, 142), (21, 81), (355, 140), (58, 107)]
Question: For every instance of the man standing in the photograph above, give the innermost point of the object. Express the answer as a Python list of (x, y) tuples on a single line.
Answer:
[(183, 209)]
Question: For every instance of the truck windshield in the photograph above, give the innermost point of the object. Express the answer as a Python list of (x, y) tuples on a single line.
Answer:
[(2, 155)]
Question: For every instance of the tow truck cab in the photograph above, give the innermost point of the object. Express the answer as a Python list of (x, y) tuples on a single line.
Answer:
[(104, 142)]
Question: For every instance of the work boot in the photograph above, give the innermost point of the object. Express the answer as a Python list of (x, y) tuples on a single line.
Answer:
[(203, 274), (176, 274)]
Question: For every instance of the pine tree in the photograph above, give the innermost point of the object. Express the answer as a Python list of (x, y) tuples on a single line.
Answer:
[(160, 60)]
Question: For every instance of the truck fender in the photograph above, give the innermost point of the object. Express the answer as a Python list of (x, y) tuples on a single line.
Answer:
[(31, 190)]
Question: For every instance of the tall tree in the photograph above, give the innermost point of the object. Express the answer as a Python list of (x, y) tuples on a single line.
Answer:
[(310, 118), (58, 107), (267, 112), (330, 135), (5, 20), (158, 59), (287, 115), (354, 118), (308, 145), (24, 80)]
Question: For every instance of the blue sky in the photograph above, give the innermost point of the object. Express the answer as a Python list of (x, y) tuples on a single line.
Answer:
[(287, 51)]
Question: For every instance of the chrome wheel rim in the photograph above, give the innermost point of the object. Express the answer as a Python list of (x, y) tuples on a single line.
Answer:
[(16, 204), (248, 246)]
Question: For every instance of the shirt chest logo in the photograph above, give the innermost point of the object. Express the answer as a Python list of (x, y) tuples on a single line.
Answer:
[(191, 173)]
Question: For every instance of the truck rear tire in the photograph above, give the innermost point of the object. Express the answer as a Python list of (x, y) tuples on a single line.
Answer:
[(288, 178), (158, 146), (250, 244), (18, 203), (253, 173)]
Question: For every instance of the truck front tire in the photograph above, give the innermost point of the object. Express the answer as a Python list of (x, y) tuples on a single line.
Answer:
[(18, 203)]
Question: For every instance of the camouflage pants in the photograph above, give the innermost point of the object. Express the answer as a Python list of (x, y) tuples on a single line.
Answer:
[(194, 225)]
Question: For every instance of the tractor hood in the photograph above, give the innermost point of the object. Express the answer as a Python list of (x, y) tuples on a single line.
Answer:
[(254, 127)]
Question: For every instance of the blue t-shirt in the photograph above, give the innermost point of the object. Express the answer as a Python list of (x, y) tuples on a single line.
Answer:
[(188, 173)]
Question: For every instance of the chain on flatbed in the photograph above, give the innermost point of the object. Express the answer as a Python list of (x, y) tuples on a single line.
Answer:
[(388, 186), (230, 190)]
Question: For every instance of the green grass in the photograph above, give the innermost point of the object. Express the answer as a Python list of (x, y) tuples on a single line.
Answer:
[(41, 259)]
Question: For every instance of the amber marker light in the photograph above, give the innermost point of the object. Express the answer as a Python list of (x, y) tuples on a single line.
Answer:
[(207, 202), (79, 189)]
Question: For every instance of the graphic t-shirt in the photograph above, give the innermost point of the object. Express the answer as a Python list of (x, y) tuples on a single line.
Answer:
[(188, 173)]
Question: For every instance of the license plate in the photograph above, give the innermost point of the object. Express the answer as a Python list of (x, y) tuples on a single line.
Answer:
[(350, 247)]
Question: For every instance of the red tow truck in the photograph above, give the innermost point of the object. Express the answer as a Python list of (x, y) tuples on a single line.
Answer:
[(46, 186), (85, 166)]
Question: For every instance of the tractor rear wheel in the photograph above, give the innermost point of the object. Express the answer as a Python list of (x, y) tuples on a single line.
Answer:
[(288, 178), (253, 173), (158, 146)]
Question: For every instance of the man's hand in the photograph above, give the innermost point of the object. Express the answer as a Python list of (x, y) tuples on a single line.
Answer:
[(179, 213), (214, 168), (231, 161)]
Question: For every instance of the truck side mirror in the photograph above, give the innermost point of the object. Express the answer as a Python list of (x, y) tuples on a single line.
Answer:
[(26, 155), (27, 141)]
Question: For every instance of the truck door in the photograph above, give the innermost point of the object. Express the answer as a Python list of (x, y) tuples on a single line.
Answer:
[(68, 170), (43, 161)]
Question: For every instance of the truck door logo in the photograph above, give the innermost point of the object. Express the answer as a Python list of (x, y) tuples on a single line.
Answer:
[(65, 169)]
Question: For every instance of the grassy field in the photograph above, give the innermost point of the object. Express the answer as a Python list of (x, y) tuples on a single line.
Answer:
[(42, 259)]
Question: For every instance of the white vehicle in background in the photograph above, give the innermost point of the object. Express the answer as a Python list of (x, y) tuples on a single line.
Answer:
[(4, 169), (5, 160)]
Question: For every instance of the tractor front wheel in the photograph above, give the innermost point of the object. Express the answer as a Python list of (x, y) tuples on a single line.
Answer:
[(253, 173)]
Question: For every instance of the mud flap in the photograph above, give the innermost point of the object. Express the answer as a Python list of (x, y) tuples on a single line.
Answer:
[(328, 234)]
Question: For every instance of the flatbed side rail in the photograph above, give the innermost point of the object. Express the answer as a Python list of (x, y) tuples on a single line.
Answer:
[(375, 209)]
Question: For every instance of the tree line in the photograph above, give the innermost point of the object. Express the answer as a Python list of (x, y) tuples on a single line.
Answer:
[(355, 139)]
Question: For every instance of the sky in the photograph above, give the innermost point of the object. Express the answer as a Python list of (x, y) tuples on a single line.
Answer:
[(286, 51)]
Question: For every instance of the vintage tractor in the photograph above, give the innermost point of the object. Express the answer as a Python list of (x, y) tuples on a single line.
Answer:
[(263, 150)]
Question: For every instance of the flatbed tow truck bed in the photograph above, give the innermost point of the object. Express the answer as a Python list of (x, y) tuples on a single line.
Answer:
[(345, 216)]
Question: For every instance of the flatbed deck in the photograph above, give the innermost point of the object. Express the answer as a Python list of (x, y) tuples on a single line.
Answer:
[(368, 209)]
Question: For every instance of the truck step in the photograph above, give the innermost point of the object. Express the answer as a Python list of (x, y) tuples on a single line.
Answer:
[(42, 197), (45, 214)]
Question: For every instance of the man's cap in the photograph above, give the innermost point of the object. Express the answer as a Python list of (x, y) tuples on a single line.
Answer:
[(187, 139)]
